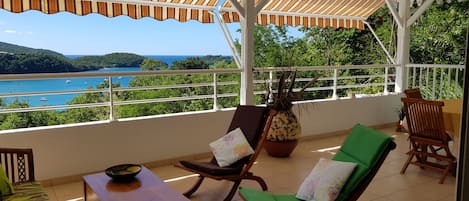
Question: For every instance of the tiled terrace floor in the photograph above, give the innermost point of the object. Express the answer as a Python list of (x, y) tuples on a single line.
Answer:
[(284, 175)]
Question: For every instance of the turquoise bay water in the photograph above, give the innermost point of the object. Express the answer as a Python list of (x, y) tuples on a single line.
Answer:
[(69, 84)]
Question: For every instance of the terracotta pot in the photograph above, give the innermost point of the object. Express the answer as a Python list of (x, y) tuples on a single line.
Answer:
[(280, 148)]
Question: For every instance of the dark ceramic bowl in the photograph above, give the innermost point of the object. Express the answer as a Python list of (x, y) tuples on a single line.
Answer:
[(123, 172)]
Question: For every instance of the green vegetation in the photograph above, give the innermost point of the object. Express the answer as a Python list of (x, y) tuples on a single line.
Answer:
[(16, 59), (34, 63), (16, 49), (108, 61), (433, 41)]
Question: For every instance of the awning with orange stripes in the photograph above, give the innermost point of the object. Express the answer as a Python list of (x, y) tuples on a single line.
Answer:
[(310, 13), (160, 10), (307, 13)]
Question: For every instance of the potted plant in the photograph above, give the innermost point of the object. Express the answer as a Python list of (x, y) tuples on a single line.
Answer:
[(285, 129)]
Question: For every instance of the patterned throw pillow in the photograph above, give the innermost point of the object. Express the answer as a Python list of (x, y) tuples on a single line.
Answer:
[(325, 180), (231, 147)]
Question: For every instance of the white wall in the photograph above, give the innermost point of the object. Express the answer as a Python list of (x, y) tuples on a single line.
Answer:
[(329, 116), (62, 151)]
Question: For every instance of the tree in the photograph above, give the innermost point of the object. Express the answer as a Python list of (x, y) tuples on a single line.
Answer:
[(190, 63), (153, 64)]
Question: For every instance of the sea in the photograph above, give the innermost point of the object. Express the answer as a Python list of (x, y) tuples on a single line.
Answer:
[(17, 86)]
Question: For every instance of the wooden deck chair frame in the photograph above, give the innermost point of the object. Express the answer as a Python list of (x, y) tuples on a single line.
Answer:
[(245, 174), (426, 131), (18, 164), (413, 93)]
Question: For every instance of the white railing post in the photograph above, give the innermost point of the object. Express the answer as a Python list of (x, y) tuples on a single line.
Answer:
[(386, 71), (420, 76), (271, 95), (434, 84), (427, 78), (215, 94), (449, 78), (442, 73), (111, 100), (334, 88)]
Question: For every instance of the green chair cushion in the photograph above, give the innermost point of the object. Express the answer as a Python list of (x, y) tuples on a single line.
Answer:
[(258, 195), (31, 191), (363, 146), (6, 187)]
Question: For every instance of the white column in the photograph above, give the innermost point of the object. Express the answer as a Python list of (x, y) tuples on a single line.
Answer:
[(403, 47), (247, 52)]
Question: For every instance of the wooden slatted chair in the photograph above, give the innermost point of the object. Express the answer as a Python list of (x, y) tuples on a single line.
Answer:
[(19, 168), (426, 131), (255, 123)]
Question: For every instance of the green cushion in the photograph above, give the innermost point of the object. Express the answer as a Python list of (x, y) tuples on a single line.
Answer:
[(258, 195), (6, 187), (363, 146), (30, 191)]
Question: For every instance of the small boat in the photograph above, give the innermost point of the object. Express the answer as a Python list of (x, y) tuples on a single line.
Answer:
[(43, 99), (120, 77), (68, 81)]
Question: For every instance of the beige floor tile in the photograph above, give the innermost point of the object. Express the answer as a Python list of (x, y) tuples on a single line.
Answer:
[(50, 193), (69, 192)]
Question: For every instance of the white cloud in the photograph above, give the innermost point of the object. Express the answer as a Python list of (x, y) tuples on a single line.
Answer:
[(10, 31)]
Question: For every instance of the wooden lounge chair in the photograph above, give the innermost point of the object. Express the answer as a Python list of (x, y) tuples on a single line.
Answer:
[(365, 146), (254, 122), (19, 168), (427, 136)]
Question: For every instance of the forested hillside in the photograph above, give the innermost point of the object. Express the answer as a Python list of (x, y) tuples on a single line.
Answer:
[(16, 49), (19, 59), (34, 63), (108, 60)]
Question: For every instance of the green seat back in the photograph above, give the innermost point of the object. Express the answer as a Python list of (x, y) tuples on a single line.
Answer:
[(258, 195), (363, 146)]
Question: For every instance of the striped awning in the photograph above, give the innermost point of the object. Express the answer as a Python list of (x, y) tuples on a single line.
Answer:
[(160, 10), (310, 13), (307, 13)]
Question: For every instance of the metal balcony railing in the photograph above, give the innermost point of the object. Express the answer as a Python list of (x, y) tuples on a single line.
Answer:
[(437, 81), (210, 85)]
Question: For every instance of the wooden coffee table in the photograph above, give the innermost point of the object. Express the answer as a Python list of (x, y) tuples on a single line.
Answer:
[(146, 186)]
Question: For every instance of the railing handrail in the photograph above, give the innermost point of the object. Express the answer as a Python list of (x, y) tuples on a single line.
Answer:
[(453, 66), (34, 76), (307, 68)]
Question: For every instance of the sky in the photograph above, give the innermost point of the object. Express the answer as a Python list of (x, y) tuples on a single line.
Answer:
[(95, 34)]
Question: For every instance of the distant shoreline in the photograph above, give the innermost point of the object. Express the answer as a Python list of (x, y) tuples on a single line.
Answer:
[(73, 56)]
